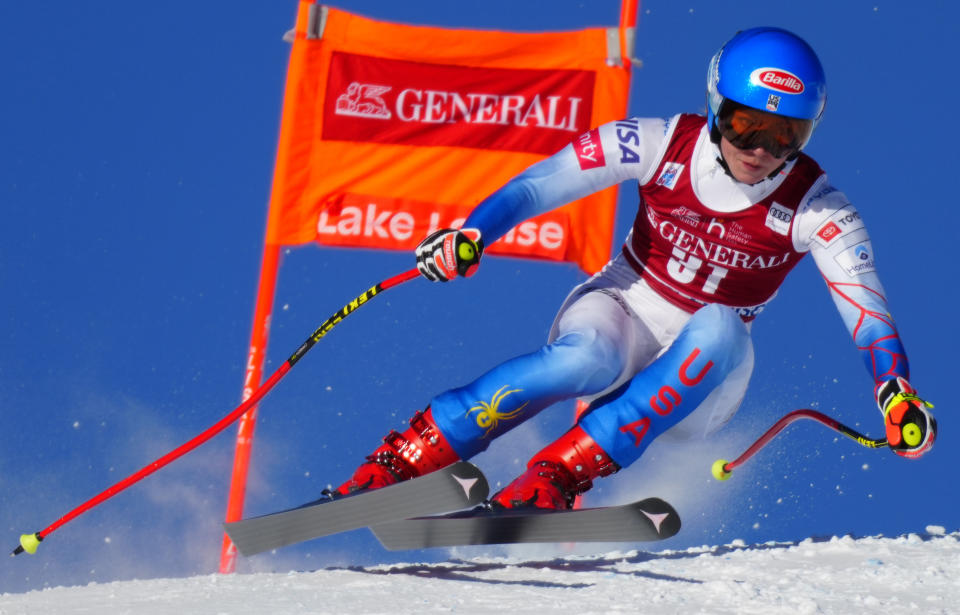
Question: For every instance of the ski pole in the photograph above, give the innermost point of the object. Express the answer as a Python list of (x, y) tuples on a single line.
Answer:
[(30, 542), (722, 468)]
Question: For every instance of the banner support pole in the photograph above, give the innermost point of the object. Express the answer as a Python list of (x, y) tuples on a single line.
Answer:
[(628, 25), (266, 291), (256, 356)]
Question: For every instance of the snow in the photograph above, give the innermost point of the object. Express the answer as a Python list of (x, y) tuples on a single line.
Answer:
[(913, 573)]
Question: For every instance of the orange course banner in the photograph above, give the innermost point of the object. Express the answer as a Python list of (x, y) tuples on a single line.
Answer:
[(392, 131)]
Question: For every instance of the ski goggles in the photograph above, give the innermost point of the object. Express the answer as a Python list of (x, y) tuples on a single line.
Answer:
[(749, 128)]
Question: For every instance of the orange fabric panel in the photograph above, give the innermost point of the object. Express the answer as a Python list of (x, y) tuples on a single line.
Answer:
[(390, 131)]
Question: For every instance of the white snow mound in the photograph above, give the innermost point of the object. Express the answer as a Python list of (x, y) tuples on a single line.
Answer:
[(839, 575)]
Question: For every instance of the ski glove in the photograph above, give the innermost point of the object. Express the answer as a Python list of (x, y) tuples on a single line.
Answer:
[(447, 253), (911, 428)]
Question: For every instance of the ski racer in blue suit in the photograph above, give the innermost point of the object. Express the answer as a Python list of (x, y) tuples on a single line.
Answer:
[(659, 341)]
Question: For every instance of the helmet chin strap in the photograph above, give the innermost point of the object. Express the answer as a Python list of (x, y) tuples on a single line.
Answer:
[(726, 168)]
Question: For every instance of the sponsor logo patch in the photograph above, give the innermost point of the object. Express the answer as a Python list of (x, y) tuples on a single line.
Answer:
[(844, 222), (828, 233), (364, 100), (488, 414), (589, 150), (778, 80), (779, 218), (857, 260), (670, 174)]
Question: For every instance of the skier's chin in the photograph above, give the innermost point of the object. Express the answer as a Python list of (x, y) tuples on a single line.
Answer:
[(749, 166), (748, 174)]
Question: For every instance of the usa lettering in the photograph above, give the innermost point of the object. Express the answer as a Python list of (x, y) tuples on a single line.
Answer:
[(667, 398), (637, 429)]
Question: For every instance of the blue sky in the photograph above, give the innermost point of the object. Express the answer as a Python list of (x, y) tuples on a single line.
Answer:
[(138, 143)]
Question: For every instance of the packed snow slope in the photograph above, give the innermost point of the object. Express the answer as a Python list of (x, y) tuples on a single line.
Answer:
[(911, 573)]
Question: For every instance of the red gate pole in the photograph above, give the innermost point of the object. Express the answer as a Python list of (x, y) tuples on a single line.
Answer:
[(256, 356)]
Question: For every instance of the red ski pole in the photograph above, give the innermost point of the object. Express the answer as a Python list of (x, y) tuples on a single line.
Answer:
[(722, 468), (30, 542)]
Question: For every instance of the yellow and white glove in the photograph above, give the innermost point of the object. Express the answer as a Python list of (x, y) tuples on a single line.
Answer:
[(911, 428)]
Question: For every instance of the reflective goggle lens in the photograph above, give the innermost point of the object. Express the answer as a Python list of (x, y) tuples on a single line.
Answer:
[(747, 128)]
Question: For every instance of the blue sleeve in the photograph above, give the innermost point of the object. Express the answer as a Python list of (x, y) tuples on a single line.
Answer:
[(598, 159), (519, 199)]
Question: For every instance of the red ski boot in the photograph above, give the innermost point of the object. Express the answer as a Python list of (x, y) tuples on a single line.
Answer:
[(558, 474), (417, 451)]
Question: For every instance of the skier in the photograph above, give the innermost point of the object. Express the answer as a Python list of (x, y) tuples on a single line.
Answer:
[(659, 340)]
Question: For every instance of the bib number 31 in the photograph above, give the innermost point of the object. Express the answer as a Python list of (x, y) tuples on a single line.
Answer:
[(684, 267)]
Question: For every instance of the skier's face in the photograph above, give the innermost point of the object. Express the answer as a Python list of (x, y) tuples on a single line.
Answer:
[(749, 165)]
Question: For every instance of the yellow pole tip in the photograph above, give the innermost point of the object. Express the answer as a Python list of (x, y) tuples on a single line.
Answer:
[(30, 542), (466, 251), (912, 435), (719, 470)]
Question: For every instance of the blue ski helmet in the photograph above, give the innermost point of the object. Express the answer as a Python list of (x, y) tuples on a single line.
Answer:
[(769, 69)]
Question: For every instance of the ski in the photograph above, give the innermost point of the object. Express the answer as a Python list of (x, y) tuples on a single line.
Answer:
[(455, 487), (647, 520)]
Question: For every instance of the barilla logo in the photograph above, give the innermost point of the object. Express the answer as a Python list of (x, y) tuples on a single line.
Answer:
[(777, 79)]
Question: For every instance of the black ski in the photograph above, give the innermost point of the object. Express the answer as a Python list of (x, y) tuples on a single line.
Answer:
[(455, 487), (643, 521)]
